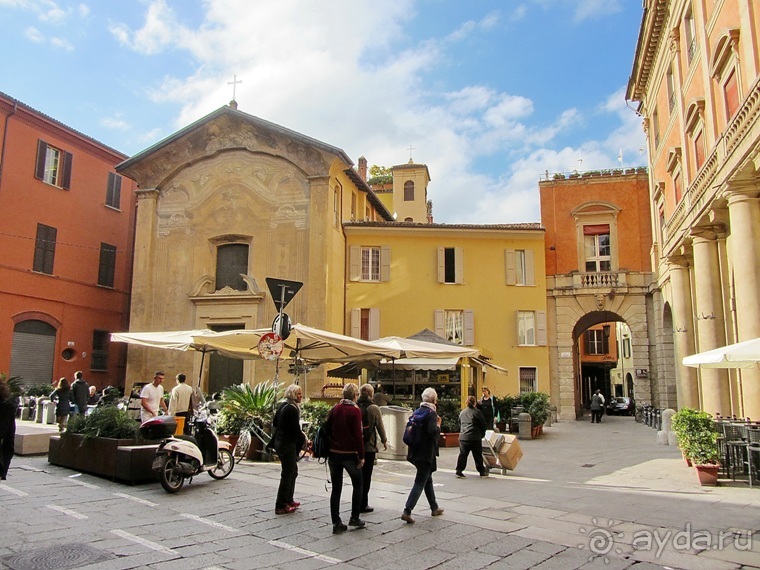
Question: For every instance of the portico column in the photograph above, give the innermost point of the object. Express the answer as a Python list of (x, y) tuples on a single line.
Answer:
[(687, 384), (744, 213), (716, 395)]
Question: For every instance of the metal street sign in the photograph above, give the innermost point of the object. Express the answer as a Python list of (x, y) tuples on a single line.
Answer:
[(282, 291)]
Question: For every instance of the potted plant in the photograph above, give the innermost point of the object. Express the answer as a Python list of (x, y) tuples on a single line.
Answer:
[(698, 440), (537, 405), (107, 443), (314, 414), (449, 412), (243, 405), (504, 406)]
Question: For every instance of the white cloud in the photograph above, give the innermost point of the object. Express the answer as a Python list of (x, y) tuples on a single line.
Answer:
[(61, 43), (115, 123), (590, 9), (33, 34)]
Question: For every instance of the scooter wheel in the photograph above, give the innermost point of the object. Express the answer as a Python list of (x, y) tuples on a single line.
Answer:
[(224, 465), (170, 474)]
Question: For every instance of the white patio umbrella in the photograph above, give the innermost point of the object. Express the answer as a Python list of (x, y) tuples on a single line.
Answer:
[(740, 355), (413, 348), (310, 344)]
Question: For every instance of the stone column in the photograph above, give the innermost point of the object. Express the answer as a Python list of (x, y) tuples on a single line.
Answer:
[(744, 213), (687, 383), (716, 394)]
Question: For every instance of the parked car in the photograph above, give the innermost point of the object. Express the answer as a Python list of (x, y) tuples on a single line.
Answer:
[(621, 406)]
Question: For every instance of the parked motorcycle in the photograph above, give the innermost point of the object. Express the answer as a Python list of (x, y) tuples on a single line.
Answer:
[(183, 456)]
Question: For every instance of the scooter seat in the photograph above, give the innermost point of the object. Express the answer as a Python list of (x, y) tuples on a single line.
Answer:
[(189, 438)]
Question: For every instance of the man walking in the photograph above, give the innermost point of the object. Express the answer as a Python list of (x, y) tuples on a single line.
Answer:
[(80, 393), (472, 430), (346, 453)]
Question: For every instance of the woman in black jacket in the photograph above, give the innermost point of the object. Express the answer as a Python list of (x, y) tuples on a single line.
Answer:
[(422, 455), (288, 441), (7, 427)]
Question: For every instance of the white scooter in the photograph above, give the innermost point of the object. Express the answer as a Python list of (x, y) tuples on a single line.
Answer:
[(181, 456)]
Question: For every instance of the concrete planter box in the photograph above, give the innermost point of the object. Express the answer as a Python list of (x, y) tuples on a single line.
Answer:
[(118, 459)]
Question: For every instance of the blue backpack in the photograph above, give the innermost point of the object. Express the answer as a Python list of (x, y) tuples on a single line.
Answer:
[(414, 433)]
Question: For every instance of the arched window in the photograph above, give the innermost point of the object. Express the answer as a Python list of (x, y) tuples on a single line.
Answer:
[(408, 191), (231, 262)]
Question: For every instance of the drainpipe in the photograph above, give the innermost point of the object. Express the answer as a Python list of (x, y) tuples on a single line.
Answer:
[(5, 136)]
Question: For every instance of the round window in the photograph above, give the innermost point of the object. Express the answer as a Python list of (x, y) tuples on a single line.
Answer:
[(69, 354)]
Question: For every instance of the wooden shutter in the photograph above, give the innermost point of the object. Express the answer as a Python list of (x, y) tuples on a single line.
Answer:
[(68, 161), (385, 263), (441, 265), (374, 324), (458, 265), (439, 324), (530, 278), (509, 262), (541, 328), (355, 263), (356, 323), (39, 169), (113, 191), (469, 327)]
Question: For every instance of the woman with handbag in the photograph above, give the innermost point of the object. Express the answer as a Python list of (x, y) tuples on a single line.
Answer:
[(288, 441)]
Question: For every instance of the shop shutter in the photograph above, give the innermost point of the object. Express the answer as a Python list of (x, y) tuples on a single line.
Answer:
[(32, 358)]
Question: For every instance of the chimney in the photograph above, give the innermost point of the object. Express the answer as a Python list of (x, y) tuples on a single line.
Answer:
[(363, 168)]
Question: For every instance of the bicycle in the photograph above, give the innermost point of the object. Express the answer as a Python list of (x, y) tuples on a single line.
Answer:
[(640, 411)]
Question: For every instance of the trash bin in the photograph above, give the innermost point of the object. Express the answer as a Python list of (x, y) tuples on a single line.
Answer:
[(48, 412), (394, 420), (180, 425), (524, 420)]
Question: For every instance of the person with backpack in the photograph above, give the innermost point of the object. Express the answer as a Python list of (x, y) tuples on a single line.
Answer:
[(421, 436), (372, 426), (346, 453), (288, 441)]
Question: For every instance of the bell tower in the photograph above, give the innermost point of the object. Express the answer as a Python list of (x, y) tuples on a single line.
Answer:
[(410, 182)]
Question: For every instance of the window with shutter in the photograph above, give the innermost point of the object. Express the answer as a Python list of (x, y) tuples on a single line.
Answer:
[(53, 165), (450, 265), (113, 190), (231, 264), (99, 350), (44, 249), (107, 266)]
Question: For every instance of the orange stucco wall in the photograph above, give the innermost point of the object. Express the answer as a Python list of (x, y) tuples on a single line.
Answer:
[(70, 299), (627, 192)]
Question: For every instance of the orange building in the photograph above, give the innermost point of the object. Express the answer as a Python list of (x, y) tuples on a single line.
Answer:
[(66, 241), (598, 268)]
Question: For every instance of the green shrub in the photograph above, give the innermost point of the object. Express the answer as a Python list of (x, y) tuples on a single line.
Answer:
[(696, 436), (243, 404), (105, 421), (537, 405), (38, 390), (314, 412), (449, 412)]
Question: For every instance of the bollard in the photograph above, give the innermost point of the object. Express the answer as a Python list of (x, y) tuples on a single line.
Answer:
[(524, 430)]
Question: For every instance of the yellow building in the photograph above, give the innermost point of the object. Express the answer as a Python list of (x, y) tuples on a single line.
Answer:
[(696, 79), (232, 199)]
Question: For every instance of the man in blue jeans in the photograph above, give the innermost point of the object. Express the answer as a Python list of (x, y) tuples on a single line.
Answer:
[(423, 457), (346, 452)]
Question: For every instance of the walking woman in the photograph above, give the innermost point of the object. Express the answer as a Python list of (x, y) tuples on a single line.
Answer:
[(62, 398), (288, 441), (423, 456)]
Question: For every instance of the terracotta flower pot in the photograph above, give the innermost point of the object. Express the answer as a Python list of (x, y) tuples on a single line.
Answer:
[(707, 474)]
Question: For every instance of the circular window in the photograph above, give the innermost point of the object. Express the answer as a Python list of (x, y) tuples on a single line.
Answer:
[(69, 354)]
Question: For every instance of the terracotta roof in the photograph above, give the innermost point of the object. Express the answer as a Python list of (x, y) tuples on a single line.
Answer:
[(434, 226)]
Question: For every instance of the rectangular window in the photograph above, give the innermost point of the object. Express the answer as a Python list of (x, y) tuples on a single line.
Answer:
[(44, 249), (596, 342), (731, 95), (526, 328), (626, 348), (364, 333), (107, 266), (408, 191), (449, 258), (454, 326), (671, 90), (53, 165), (231, 264), (520, 271), (596, 240), (528, 379), (113, 191), (353, 206), (656, 128), (336, 208), (370, 264), (450, 265), (663, 229), (99, 350), (677, 187), (691, 36), (365, 323)]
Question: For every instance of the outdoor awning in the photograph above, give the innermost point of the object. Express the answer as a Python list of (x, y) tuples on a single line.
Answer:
[(740, 355), (484, 362)]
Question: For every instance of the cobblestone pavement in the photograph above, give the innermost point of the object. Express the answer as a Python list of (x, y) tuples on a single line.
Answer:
[(583, 496)]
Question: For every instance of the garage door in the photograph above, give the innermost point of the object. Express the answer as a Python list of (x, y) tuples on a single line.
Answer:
[(33, 352)]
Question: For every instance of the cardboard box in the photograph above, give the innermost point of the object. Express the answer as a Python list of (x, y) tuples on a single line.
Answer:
[(510, 452), (495, 439)]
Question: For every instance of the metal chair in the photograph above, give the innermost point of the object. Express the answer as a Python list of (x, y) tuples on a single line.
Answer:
[(722, 446), (736, 441), (753, 454)]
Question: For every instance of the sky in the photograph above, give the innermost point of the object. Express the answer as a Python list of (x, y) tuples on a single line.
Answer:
[(489, 94)]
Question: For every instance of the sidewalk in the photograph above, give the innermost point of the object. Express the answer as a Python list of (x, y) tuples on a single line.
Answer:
[(583, 496)]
